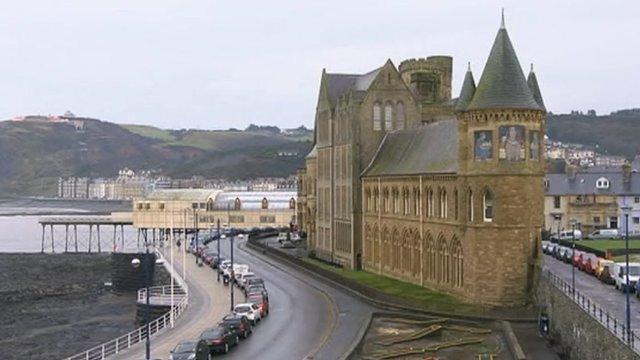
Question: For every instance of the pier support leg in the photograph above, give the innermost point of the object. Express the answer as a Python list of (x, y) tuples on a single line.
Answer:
[(138, 240), (75, 232), (153, 234), (98, 231), (42, 251), (122, 237), (114, 238), (66, 238), (90, 234), (53, 248)]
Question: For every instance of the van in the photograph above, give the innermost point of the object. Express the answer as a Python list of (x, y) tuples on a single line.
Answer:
[(604, 234), (567, 235), (238, 270), (620, 278)]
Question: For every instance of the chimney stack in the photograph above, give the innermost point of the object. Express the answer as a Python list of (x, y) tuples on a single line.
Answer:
[(571, 172), (626, 173)]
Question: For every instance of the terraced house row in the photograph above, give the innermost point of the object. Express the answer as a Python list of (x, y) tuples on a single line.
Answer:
[(409, 183)]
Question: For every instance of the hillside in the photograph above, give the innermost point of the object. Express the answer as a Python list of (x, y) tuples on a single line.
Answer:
[(34, 154), (614, 134)]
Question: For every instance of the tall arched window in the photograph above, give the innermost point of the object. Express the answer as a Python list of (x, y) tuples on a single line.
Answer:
[(265, 203), (430, 204), (367, 200), (396, 201), (416, 201), (377, 117), (400, 118), (458, 263), (455, 204), (406, 206), (237, 205), (487, 205), (470, 206), (388, 116), (376, 199), (385, 200), (292, 203), (443, 204)]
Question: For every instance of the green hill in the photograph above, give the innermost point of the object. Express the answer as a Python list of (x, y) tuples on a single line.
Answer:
[(34, 154)]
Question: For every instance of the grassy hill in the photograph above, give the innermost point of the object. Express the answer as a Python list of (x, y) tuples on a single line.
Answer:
[(34, 154)]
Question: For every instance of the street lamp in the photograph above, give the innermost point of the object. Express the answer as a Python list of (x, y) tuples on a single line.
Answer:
[(220, 237), (232, 274), (135, 262), (573, 254), (626, 209)]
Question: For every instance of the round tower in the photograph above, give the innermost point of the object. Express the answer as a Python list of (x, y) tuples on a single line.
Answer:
[(428, 78)]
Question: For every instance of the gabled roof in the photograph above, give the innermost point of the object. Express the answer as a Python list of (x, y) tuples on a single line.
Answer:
[(502, 85), (201, 195), (585, 184), (468, 89), (430, 149), (340, 84), (532, 81)]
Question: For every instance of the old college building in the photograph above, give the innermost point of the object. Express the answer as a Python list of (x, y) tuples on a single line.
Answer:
[(409, 183)]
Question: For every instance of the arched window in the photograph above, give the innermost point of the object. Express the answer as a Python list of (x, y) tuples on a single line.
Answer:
[(406, 206), (210, 205), (237, 205), (443, 204), (367, 200), (400, 120), (376, 199), (376, 245), (487, 205), (385, 200), (455, 204), (430, 210), (292, 203), (416, 201), (396, 201), (388, 116), (377, 117), (470, 206), (602, 183), (458, 263), (265, 203)]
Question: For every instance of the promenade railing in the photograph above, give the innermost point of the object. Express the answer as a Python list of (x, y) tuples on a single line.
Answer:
[(615, 326)]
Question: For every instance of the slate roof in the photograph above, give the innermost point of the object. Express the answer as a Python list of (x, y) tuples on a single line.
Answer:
[(502, 84), (430, 149), (340, 84), (183, 194), (532, 81), (466, 94), (585, 184)]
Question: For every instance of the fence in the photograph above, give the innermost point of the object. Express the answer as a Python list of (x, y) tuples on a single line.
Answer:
[(159, 294), (612, 324)]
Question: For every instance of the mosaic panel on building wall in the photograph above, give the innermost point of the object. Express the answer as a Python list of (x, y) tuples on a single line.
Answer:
[(512, 143)]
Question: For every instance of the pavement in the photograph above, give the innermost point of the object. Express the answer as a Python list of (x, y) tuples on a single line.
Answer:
[(610, 299), (307, 319)]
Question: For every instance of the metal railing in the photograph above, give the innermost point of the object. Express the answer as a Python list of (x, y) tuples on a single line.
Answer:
[(615, 326), (158, 293)]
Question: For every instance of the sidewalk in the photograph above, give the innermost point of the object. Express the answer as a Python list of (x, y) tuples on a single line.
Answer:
[(208, 303)]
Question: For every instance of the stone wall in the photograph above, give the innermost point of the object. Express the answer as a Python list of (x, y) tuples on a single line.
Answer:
[(578, 335)]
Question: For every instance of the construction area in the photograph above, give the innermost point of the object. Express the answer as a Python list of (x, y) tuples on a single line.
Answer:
[(394, 336)]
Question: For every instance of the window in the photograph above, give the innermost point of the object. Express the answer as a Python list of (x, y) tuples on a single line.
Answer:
[(396, 202), (596, 219), (443, 204), (430, 203), (376, 199), (416, 202), (237, 204), (161, 206), (556, 202), (636, 220), (292, 203), (487, 204), (602, 183), (194, 205), (377, 117), (203, 205), (400, 115), (265, 203), (613, 222), (470, 206), (265, 219), (455, 204), (636, 199), (147, 206), (385, 200), (139, 206), (236, 219), (406, 204), (388, 116)]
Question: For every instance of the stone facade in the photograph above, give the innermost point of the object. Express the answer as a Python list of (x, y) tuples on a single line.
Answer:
[(444, 193)]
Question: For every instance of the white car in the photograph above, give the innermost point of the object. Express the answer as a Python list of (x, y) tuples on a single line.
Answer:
[(620, 276), (242, 280), (250, 310)]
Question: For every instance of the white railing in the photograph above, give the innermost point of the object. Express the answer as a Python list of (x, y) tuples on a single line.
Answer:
[(159, 294)]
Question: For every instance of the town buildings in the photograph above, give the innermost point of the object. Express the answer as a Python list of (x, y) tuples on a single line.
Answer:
[(412, 184)]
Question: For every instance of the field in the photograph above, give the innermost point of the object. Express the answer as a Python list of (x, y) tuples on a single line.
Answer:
[(605, 245)]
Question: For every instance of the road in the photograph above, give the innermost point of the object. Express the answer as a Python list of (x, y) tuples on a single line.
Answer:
[(307, 319), (607, 296)]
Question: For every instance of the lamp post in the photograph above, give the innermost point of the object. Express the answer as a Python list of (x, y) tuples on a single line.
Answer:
[(195, 234), (626, 209), (573, 254), (135, 262), (221, 237), (219, 255), (231, 272)]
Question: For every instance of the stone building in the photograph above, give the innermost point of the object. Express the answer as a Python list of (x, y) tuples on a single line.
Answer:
[(445, 193)]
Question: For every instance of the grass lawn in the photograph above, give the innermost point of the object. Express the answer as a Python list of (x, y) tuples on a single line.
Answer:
[(423, 297), (609, 244)]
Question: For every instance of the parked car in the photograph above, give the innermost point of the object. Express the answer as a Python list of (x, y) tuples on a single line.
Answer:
[(287, 244), (560, 252), (190, 350), (242, 278), (208, 255), (282, 237), (223, 265), (601, 265), (545, 246), (220, 338), (620, 276), (254, 281), (262, 303), (604, 234), (200, 250), (240, 324), (216, 261), (606, 269), (256, 289), (238, 270), (250, 310), (577, 257), (589, 263), (567, 235)]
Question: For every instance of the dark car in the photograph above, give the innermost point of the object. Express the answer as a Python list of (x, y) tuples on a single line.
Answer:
[(254, 281), (239, 323), (208, 256), (256, 289), (220, 338), (262, 302), (190, 350), (216, 261)]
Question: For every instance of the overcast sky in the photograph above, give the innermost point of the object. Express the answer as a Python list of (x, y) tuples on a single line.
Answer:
[(214, 64)]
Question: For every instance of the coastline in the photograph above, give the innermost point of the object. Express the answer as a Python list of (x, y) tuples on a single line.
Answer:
[(29, 206)]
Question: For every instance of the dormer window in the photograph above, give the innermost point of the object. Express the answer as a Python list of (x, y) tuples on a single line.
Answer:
[(602, 183)]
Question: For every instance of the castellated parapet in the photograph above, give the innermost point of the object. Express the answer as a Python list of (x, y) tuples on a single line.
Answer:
[(429, 78)]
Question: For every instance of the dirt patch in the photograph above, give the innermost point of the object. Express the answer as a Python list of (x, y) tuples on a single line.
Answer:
[(56, 304)]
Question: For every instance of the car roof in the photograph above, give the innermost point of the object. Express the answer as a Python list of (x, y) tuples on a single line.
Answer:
[(244, 304)]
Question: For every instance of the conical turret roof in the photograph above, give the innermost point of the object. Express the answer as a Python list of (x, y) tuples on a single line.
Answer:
[(503, 85), (468, 89), (532, 81)]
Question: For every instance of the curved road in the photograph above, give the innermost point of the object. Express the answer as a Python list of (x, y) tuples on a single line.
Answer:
[(307, 318)]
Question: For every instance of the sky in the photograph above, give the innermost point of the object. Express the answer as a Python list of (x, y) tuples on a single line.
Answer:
[(221, 64)]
